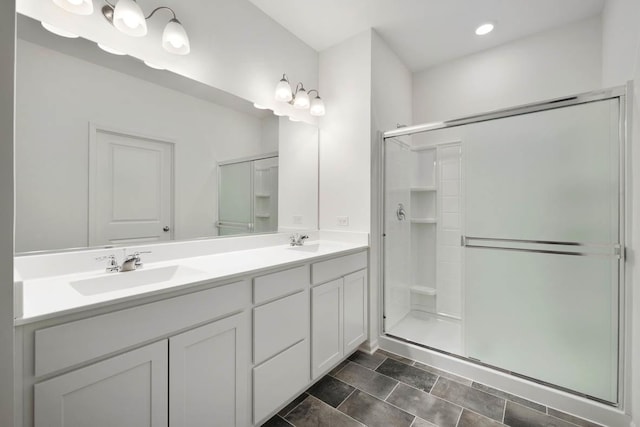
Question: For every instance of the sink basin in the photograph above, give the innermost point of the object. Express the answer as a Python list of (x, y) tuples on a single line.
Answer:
[(118, 281), (314, 247)]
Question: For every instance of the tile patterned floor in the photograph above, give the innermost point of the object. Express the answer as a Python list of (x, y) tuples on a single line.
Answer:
[(386, 390)]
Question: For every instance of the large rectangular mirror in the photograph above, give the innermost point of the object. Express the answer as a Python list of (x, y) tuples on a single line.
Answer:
[(109, 151)]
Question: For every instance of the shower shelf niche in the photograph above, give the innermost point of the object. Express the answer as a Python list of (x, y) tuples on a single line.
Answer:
[(424, 189), (424, 220), (423, 290)]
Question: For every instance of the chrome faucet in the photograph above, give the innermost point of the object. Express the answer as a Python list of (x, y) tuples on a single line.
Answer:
[(131, 262), (297, 239)]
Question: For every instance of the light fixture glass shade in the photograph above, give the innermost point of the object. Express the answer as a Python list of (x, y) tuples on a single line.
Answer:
[(317, 107), (79, 7), (154, 66), (128, 18), (110, 49), (283, 91), (59, 31), (301, 101), (175, 39)]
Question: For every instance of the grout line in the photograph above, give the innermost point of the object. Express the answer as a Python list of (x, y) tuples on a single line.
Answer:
[(380, 364), (415, 417), (291, 410), (392, 390), (285, 420), (345, 399), (336, 409), (504, 410), (459, 416)]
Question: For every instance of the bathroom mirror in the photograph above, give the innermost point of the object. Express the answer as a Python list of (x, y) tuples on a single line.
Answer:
[(112, 152)]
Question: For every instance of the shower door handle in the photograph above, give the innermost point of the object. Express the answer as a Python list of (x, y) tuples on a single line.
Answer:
[(401, 213)]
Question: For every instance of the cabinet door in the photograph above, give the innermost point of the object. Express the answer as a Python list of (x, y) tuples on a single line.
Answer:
[(355, 310), (126, 390), (208, 375), (326, 326)]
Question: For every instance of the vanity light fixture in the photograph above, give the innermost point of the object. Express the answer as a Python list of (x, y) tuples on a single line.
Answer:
[(484, 29), (79, 7), (300, 97), (127, 16), (59, 31), (110, 49)]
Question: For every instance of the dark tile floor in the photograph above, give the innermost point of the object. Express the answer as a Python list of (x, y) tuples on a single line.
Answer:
[(386, 390)]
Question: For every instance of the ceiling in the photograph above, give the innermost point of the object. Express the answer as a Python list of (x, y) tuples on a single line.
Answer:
[(424, 32)]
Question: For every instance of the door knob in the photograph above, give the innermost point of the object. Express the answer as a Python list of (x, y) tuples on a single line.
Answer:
[(166, 228)]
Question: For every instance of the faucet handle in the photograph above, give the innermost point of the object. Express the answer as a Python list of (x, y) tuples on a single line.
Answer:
[(136, 256), (112, 263)]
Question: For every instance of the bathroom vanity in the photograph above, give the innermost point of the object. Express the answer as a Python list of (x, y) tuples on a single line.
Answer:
[(225, 339)]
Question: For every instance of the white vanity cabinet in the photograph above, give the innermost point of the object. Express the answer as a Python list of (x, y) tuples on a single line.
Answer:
[(126, 390), (281, 339), (338, 310), (206, 366), (219, 355)]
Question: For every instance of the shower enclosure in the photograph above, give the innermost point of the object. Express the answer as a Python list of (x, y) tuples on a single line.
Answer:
[(504, 240)]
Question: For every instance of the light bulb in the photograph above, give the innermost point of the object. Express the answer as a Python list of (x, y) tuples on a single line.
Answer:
[(283, 91), (484, 29), (175, 39), (128, 18), (59, 31), (79, 7), (317, 107), (301, 100)]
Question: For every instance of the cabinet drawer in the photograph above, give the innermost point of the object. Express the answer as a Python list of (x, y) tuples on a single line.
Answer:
[(280, 324), (278, 380), (276, 285), (76, 342), (324, 271)]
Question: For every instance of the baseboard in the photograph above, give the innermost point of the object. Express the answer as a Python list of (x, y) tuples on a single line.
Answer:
[(369, 346)]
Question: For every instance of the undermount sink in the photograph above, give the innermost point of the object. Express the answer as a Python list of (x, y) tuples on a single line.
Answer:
[(314, 247), (118, 281)]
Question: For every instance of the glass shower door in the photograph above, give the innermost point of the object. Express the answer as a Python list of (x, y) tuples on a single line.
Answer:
[(542, 246)]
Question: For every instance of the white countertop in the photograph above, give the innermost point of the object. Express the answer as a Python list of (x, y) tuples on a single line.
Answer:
[(44, 298)]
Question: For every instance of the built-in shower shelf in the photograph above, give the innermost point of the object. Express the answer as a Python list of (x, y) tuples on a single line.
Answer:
[(423, 290), (424, 189), (424, 220)]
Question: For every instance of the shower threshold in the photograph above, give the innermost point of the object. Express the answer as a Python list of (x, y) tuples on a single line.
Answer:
[(430, 330)]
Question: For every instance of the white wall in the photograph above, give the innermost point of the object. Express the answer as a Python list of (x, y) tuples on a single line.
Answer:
[(345, 136), (621, 62), (234, 45), (58, 95), (391, 94), (297, 176), (551, 64), (7, 45)]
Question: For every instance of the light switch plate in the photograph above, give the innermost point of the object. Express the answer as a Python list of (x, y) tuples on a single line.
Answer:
[(343, 221)]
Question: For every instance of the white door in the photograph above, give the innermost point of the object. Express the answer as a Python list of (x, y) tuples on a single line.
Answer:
[(130, 189), (326, 326), (129, 390), (208, 375), (355, 310)]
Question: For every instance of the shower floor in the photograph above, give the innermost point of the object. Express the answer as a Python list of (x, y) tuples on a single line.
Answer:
[(430, 330)]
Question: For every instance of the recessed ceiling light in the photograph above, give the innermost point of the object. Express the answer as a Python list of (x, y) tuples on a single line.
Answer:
[(484, 29), (110, 49), (59, 31)]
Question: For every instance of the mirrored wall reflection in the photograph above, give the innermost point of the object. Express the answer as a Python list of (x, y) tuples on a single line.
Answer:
[(248, 197), (110, 152)]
